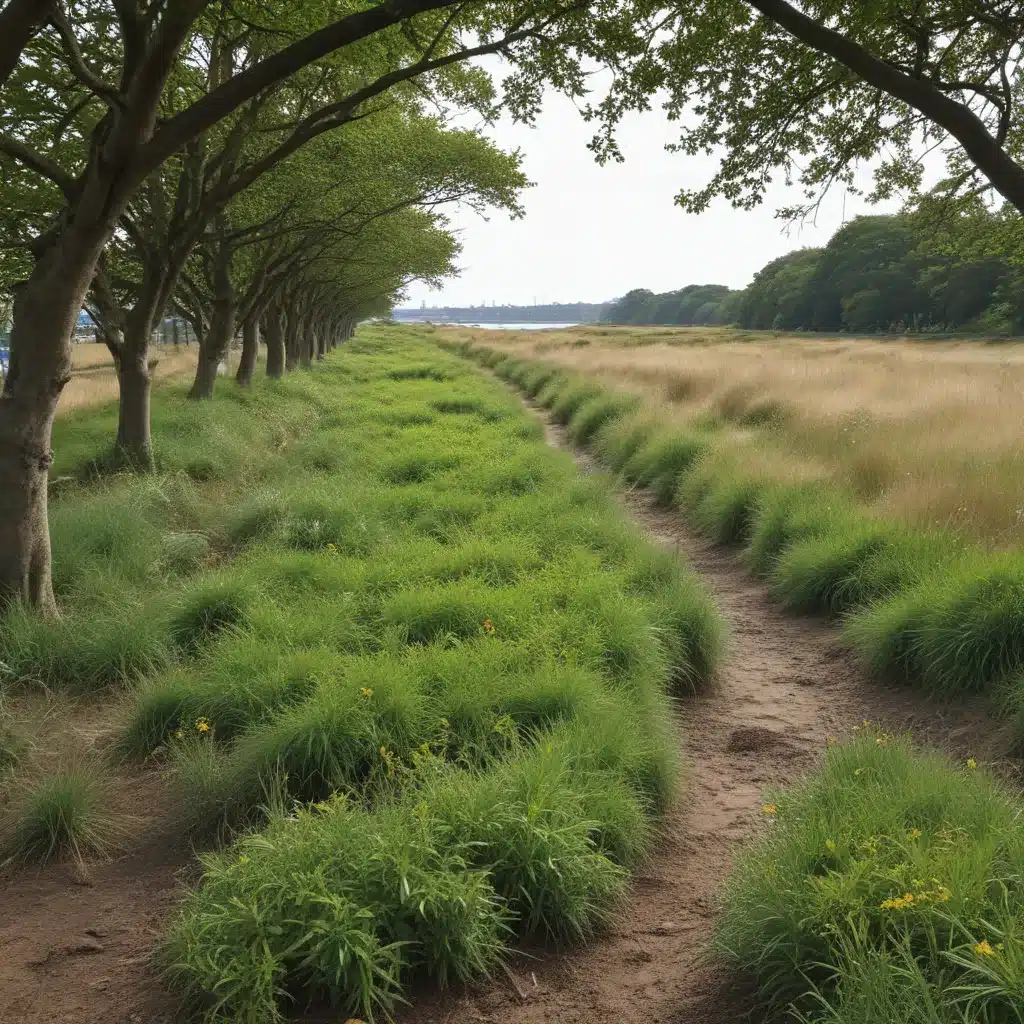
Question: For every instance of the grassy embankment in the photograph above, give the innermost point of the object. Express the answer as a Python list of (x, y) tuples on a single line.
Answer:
[(397, 647), (890, 886)]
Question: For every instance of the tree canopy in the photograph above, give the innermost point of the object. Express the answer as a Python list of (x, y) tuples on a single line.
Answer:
[(876, 274)]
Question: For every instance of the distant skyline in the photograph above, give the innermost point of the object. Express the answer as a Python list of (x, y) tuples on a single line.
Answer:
[(592, 233)]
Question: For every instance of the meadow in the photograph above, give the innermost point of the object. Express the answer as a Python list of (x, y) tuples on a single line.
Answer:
[(887, 886), (415, 677)]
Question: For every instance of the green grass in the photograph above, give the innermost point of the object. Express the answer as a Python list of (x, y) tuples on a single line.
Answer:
[(874, 886), (414, 674), (60, 816)]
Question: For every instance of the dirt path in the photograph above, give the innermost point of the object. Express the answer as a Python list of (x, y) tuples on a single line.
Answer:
[(785, 688)]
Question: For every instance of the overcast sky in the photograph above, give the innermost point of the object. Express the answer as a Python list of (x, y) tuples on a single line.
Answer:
[(592, 233)]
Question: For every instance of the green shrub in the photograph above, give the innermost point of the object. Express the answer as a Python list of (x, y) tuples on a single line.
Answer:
[(573, 397), (880, 878), (856, 567), (962, 629), (784, 515)]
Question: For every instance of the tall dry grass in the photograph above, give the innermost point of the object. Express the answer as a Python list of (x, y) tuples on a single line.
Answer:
[(93, 380), (927, 432)]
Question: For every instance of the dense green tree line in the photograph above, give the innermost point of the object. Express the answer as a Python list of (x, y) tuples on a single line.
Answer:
[(876, 274)]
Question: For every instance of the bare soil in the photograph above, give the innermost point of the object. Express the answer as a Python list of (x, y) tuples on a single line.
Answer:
[(75, 946)]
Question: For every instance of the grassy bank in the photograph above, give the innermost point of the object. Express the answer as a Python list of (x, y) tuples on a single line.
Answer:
[(395, 643), (920, 606)]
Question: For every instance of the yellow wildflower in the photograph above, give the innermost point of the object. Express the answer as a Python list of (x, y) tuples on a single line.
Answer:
[(830, 845), (202, 725), (488, 626), (769, 808), (971, 763), (914, 833), (984, 949), (858, 771), (332, 549), (179, 735), (366, 691)]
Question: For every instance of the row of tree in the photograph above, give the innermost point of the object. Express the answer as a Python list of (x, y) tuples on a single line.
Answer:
[(876, 274), (274, 167)]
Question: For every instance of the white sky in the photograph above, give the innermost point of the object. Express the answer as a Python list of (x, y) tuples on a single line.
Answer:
[(592, 233)]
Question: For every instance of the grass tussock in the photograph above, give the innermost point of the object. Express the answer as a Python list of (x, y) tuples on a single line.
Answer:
[(886, 887), (63, 816)]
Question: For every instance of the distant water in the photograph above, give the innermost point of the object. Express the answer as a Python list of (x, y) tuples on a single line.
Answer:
[(513, 327)]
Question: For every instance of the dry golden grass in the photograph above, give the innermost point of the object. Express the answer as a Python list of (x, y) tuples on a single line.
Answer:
[(927, 432), (93, 379)]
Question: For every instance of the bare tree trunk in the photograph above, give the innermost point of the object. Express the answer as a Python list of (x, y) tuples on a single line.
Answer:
[(250, 350), (292, 338), (275, 343), (306, 342), (134, 439), (45, 312), (214, 346)]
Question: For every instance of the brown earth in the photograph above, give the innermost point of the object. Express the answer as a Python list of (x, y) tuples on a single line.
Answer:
[(75, 946)]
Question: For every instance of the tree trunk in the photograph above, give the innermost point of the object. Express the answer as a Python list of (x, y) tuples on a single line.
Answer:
[(306, 342), (275, 343), (250, 350), (214, 347), (134, 440), (292, 339), (221, 332)]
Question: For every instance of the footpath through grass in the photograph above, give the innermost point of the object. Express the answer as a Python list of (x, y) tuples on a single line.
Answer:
[(417, 666), (920, 608), (890, 885)]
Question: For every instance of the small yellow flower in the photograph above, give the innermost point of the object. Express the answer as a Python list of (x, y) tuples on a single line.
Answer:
[(769, 809), (366, 691), (202, 725), (971, 763), (244, 859), (179, 735), (488, 626), (984, 949), (332, 549), (830, 845), (858, 771), (914, 833)]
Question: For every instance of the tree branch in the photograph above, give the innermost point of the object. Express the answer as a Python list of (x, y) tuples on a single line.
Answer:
[(20, 20), (1005, 174), (38, 163), (220, 102)]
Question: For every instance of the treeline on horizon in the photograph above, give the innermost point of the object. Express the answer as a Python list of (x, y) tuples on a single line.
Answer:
[(877, 274)]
